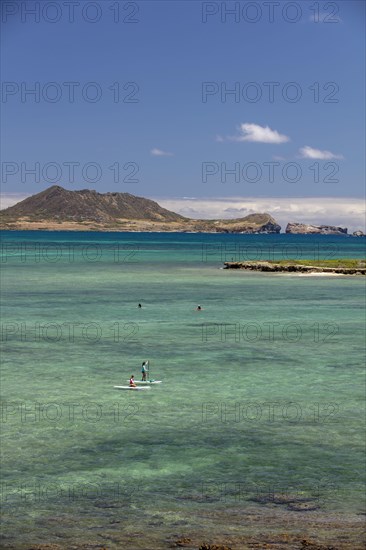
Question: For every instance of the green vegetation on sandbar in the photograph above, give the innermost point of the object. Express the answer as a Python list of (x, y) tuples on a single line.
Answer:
[(349, 263)]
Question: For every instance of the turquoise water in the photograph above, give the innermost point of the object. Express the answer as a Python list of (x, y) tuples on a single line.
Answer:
[(262, 393)]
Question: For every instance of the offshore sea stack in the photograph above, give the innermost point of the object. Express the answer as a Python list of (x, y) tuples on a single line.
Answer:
[(307, 229)]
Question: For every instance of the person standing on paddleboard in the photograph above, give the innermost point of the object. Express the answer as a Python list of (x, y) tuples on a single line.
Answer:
[(144, 370)]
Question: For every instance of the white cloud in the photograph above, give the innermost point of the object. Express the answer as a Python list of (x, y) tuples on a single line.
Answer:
[(9, 199), (342, 211), (260, 134), (160, 153), (219, 138), (311, 153)]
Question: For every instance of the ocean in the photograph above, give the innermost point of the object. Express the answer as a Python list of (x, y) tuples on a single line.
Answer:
[(256, 431)]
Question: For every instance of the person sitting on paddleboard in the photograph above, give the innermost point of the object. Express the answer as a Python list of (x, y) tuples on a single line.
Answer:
[(144, 370), (132, 381)]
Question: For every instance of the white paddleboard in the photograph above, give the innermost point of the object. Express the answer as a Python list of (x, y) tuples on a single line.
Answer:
[(131, 388), (147, 382)]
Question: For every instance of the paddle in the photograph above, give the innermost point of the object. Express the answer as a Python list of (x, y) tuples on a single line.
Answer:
[(149, 372)]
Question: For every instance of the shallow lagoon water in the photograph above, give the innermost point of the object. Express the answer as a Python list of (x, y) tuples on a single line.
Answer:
[(262, 392)]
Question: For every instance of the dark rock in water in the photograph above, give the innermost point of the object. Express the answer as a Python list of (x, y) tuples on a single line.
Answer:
[(278, 498), (45, 547), (306, 545), (307, 229), (199, 498), (358, 233), (303, 506), (185, 541), (103, 504)]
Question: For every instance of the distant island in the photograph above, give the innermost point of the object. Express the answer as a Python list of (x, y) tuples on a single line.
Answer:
[(58, 209)]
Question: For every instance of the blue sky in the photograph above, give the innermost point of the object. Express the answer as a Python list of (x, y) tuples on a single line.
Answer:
[(149, 114)]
